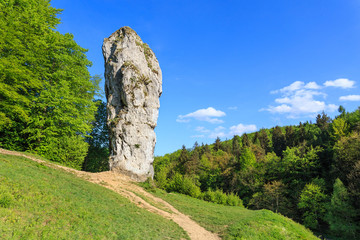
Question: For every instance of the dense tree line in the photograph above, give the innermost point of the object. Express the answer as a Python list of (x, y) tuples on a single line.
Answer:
[(309, 172), (46, 92)]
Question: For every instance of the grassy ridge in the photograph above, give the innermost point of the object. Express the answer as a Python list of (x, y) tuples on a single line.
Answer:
[(236, 222), (38, 202)]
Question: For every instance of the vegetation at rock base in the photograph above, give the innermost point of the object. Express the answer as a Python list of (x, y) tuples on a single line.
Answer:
[(309, 172)]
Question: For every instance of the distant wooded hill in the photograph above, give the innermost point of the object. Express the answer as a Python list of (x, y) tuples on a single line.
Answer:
[(309, 172)]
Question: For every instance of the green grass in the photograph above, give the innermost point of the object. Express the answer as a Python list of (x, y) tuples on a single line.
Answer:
[(38, 202), (236, 222)]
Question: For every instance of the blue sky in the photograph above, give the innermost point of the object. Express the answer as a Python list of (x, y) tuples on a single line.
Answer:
[(231, 67)]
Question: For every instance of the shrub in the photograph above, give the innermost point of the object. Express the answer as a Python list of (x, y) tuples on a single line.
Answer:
[(161, 178), (209, 196), (220, 197), (184, 185), (189, 188), (234, 200), (70, 151)]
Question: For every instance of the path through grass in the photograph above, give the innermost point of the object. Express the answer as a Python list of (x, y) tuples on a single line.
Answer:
[(38, 202)]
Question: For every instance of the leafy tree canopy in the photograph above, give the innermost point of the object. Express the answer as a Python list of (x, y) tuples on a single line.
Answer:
[(46, 91)]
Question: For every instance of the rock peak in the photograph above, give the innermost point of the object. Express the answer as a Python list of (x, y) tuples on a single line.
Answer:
[(133, 85)]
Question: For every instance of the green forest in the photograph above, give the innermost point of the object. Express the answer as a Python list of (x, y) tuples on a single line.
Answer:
[(309, 172), (47, 96), (49, 105)]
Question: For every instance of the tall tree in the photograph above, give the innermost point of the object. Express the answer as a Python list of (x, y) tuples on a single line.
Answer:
[(217, 144), (341, 214), (290, 136), (264, 141), (323, 121), (312, 204), (278, 140), (245, 140), (97, 158), (347, 154), (46, 91), (236, 146)]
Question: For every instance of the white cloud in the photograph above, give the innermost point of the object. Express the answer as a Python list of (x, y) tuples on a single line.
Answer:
[(332, 108), (240, 129), (223, 132), (218, 132), (295, 86), (341, 83), (312, 85), (279, 109), (350, 98), (299, 99), (209, 114), (202, 130), (292, 87)]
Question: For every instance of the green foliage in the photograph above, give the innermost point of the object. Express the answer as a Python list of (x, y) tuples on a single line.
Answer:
[(46, 91), (97, 158), (347, 153), (278, 140), (312, 203), (341, 214), (69, 151), (233, 200), (339, 129), (272, 197), (184, 185), (247, 159), (281, 169)]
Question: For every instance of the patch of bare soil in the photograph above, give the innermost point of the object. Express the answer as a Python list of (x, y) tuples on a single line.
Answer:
[(126, 187)]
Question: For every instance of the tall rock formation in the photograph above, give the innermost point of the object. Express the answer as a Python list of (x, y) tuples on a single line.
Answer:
[(133, 85)]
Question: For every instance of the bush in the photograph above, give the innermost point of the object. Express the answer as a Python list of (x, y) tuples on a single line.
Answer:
[(189, 188), (220, 197), (209, 196), (70, 151), (184, 185), (234, 200), (161, 178)]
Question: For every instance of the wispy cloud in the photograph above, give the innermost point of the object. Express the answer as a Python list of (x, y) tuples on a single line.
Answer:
[(240, 129), (300, 99), (297, 85), (340, 83), (223, 132), (209, 114), (350, 98), (234, 108)]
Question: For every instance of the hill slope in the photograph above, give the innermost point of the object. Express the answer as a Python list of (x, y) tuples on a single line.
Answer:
[(38, 201)]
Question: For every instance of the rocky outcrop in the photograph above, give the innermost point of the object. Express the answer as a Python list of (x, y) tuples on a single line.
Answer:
[(133, 85)]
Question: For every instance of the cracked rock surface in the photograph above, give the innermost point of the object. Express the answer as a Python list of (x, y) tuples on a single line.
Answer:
[(133, 85)]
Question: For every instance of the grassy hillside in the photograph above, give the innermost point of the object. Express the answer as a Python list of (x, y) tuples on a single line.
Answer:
[(38, 202), (236, 222)]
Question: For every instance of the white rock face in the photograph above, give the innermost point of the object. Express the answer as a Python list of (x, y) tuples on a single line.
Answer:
[(133, 85)]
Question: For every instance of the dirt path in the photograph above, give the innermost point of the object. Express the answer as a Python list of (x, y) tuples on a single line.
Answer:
[(126, 187)]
